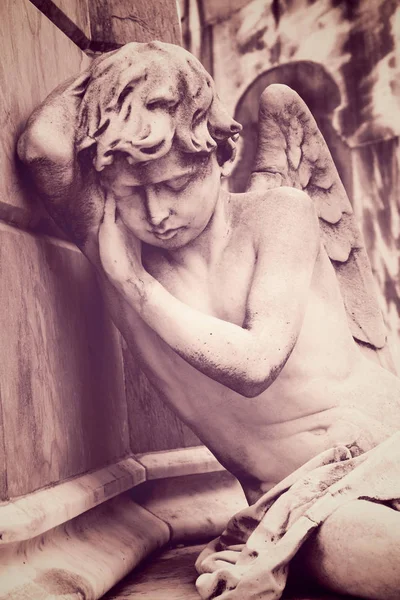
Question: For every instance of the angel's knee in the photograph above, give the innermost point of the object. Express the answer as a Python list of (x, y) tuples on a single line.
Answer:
[(357, 551)]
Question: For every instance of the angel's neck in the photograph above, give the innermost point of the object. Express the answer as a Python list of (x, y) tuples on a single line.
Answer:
[(206, 249)]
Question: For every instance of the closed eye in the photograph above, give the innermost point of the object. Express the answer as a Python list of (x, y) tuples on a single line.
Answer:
[(127, 192), (179, 183)]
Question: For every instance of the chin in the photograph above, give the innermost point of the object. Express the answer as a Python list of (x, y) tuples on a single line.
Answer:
[(175, 243), (181, 239)]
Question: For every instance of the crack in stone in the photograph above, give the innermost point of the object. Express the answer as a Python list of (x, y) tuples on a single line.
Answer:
[(134, 19)]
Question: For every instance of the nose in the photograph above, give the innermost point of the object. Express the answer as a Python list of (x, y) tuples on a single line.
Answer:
[(157, 210)]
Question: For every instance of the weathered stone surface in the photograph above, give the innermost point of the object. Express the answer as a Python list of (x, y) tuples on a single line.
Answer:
[(152, 424), (167, 576), (182, 461), (77, 11), (31, 515), (62, 394), (356, 42), (70, 16), (170, 575), (196, 507), (230, 303), (117, 22), (84, 557), (29, 71), (341, 58), (102, 25), (291, 146), (376, 185)]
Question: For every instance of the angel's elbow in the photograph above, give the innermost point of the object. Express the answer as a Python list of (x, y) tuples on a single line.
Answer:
[(257, 379), (252, 385), (250, 389), (37, 142), (31, 144)]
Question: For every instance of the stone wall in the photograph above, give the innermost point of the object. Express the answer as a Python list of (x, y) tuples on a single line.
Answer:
[(72, 398)]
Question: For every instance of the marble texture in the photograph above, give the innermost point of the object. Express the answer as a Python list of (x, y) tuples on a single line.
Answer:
[(35, 513), (89, 553), (376, 204), (70, 16), (102, 25), (32, 515), (116, 22), (170, 575), (357, 86), (157, 428), (182, 461), (84, 557), (77, 11), (62, 394), (196, 507), (26, 36)]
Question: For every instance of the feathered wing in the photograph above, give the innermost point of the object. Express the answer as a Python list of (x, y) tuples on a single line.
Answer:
[(292, 151)]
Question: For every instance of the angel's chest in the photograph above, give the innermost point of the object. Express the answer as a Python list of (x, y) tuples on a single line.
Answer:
[(221, 291)]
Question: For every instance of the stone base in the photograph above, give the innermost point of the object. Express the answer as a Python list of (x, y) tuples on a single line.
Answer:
[(170, 575), (81, 537)]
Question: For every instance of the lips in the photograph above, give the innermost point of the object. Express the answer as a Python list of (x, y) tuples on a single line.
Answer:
[(167, 234)]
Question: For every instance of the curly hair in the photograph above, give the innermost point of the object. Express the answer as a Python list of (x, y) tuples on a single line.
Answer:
[(144, 97)]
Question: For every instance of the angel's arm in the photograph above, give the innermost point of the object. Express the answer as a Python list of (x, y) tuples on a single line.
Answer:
[(65, 183), (246, 359), (47, 143)]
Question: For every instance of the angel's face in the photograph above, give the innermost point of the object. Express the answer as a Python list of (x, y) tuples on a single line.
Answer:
[(166, 202)]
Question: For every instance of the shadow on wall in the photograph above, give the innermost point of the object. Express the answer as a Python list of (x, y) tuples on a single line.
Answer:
[(321, 94)]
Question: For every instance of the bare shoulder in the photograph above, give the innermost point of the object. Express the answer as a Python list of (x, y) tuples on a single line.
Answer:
[(283, 209)]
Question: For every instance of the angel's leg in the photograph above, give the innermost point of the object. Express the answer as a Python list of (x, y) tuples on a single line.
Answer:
[(357, 551)]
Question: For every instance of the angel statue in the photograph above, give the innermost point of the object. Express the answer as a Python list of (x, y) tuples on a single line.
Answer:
[(244, 310)]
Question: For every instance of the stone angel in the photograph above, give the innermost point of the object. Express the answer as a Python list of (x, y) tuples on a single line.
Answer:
[(243, 309)]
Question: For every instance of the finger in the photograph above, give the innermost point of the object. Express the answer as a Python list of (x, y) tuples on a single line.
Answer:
[(109, 208), (108, 234)]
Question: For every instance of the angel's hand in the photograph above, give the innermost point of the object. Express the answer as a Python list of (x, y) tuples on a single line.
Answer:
[(120, 252)]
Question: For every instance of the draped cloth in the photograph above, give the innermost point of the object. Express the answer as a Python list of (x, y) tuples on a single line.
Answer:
[(250, 560)]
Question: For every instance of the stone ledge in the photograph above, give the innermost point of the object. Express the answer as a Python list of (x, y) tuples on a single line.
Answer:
[(195, 507), (31, 515), (84, 557), (182, 461)]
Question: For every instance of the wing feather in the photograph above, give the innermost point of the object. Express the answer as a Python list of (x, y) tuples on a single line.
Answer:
[(292, 151)]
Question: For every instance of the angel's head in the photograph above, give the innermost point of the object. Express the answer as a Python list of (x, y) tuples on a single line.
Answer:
[(160, 137), (143, 99)]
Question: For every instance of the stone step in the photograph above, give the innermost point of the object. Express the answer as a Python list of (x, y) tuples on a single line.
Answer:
[(167, 575), (170, 575)]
